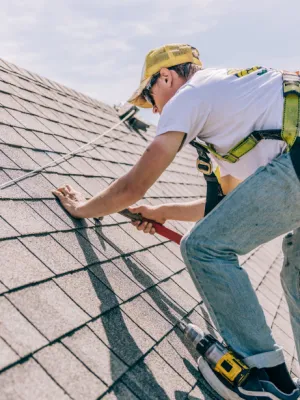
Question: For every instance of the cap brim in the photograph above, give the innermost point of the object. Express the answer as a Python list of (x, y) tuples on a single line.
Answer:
[(137, 99)]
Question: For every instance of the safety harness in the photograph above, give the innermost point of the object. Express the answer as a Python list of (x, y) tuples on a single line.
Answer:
[(289, 133)]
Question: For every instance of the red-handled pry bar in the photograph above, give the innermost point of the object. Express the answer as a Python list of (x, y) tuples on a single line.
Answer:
[(159, 228)]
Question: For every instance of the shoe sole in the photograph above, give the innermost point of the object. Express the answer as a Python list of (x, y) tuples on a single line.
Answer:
[(217, 385)]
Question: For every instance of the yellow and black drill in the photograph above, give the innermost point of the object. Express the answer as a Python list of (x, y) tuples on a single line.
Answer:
[(218, 356)]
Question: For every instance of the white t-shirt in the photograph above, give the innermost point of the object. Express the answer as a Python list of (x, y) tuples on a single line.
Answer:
[(222, 107)]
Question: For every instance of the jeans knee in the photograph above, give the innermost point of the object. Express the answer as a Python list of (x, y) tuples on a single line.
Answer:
[(186, 245)]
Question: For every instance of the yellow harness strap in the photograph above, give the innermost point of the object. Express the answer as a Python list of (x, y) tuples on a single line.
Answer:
[(290, 126), (291, 114)]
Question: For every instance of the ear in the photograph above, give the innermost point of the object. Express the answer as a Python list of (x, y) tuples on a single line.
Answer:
[(166, 76)]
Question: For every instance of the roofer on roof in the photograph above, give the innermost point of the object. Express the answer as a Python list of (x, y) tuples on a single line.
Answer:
[(223, 108)]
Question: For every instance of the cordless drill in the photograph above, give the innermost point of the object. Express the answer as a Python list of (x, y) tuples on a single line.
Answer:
[(218, 356)]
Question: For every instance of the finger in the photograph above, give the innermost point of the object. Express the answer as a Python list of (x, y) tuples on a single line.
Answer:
[(58, 194), (152, 231), (148, 228), (136, 223), (142, 226), (134, 209), (63, 190), (70, 189)]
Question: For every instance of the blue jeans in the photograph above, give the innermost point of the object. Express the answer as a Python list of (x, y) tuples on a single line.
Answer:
[(264, 206)]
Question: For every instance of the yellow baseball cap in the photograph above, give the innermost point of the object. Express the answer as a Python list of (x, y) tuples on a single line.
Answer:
[(164, 56)]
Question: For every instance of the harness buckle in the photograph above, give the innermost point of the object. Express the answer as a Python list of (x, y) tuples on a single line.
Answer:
[(291, 84), (205, 167)]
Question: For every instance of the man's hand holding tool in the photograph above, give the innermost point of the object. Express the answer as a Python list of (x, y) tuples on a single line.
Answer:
[(149, 213), (151, 224)]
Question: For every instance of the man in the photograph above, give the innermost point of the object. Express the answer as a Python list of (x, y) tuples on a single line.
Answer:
[(222, 108)]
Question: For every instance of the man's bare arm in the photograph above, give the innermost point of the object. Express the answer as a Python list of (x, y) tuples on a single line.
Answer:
[(194, 210), (129, 188), (191, 211)]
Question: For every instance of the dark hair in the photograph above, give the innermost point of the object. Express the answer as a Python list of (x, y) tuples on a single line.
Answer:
[(186, 70)]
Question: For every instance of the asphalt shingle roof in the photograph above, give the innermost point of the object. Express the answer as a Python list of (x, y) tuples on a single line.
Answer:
[(88, 310)]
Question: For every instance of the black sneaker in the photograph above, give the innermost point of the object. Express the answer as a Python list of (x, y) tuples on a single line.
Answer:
[(254, 388)]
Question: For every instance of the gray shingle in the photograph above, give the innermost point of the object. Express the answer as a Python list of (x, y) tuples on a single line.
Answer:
[(122, 335), (6, 230), (66, 220), (79, 247), (4, 87), (82, 166), (6, 162), (283, 340), (157, 269), (70, 373), (42, 159), (164, 304), (41, 208), (49, 309), (11, 136), (34, 140), (19, 266), (28, 107), (197, 394), (67, 145), (101, 169), (184, 280), (64, 164), (174, 248), (88, 292), (19, 157), (119, 239), (116, 169), (36, 186), (8, 356), (8, 101), (30, 382), (118, 282), (95, 355), (120, 392), (147, 318), (178, 295), (91, 185), (13, 191), (28, 121), (143, 239), (177, 351), (8, 119), (154, 379), (95, 238), (51, 253), (3, 288), (23, 218), (168, 258), (53, 143), (51, 127), (137, 272), (23, 337), (61, 180)]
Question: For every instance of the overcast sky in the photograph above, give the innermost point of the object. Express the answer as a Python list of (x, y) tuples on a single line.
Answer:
[(98, 46)]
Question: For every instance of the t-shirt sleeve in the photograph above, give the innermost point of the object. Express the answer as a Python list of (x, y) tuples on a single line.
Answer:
[(185, 112)]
